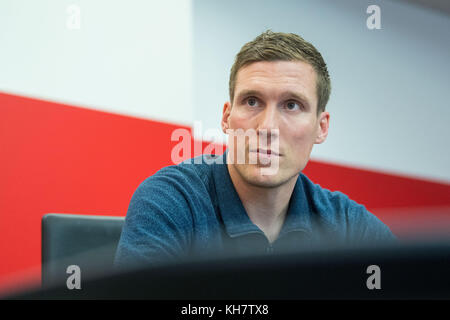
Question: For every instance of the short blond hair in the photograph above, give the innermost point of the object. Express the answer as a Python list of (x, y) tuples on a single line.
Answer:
[(278, 46)]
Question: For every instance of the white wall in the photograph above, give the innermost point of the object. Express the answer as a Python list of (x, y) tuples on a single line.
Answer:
[(128, 57), (389, 106)]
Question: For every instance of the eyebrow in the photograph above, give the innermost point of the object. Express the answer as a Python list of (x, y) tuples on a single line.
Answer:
[(286, 95)]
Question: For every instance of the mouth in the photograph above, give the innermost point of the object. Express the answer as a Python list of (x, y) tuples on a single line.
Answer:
[(265, 152)]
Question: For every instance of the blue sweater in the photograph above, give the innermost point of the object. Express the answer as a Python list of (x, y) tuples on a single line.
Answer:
[(193, 209)]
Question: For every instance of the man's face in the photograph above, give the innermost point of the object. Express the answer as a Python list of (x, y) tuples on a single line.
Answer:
[(278, 98)]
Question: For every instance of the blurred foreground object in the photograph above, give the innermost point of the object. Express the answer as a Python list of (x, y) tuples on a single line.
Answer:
[(408, 271)]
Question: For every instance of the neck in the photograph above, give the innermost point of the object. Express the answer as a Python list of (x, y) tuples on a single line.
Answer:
[(266, 206)]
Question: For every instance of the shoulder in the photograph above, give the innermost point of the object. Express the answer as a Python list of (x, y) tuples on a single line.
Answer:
[(192, 174), (324, 199), (344, 215), (179, 190)]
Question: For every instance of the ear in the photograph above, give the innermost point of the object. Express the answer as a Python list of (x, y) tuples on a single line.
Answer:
[(225, 116), (322, 129)]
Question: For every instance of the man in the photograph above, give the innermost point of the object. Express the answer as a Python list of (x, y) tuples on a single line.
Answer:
[(279, 87)]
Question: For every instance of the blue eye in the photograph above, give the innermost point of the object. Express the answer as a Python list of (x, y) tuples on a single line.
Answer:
[(292, 105), (252, 102)]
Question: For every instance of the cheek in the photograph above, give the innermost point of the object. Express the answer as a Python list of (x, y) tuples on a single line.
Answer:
[(301, 140), (238, 120)]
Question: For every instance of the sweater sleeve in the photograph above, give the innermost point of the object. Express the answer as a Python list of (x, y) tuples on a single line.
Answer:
[(360, 226), (158, 226), (347, 221), (367, 228)]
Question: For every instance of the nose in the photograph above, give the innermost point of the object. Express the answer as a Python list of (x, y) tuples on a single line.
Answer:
[(268, 123)]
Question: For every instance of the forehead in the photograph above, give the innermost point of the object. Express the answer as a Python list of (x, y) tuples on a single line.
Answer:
[(275, 77)]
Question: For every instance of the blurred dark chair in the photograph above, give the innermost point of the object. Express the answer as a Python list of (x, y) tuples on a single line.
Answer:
[(87, 241)]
